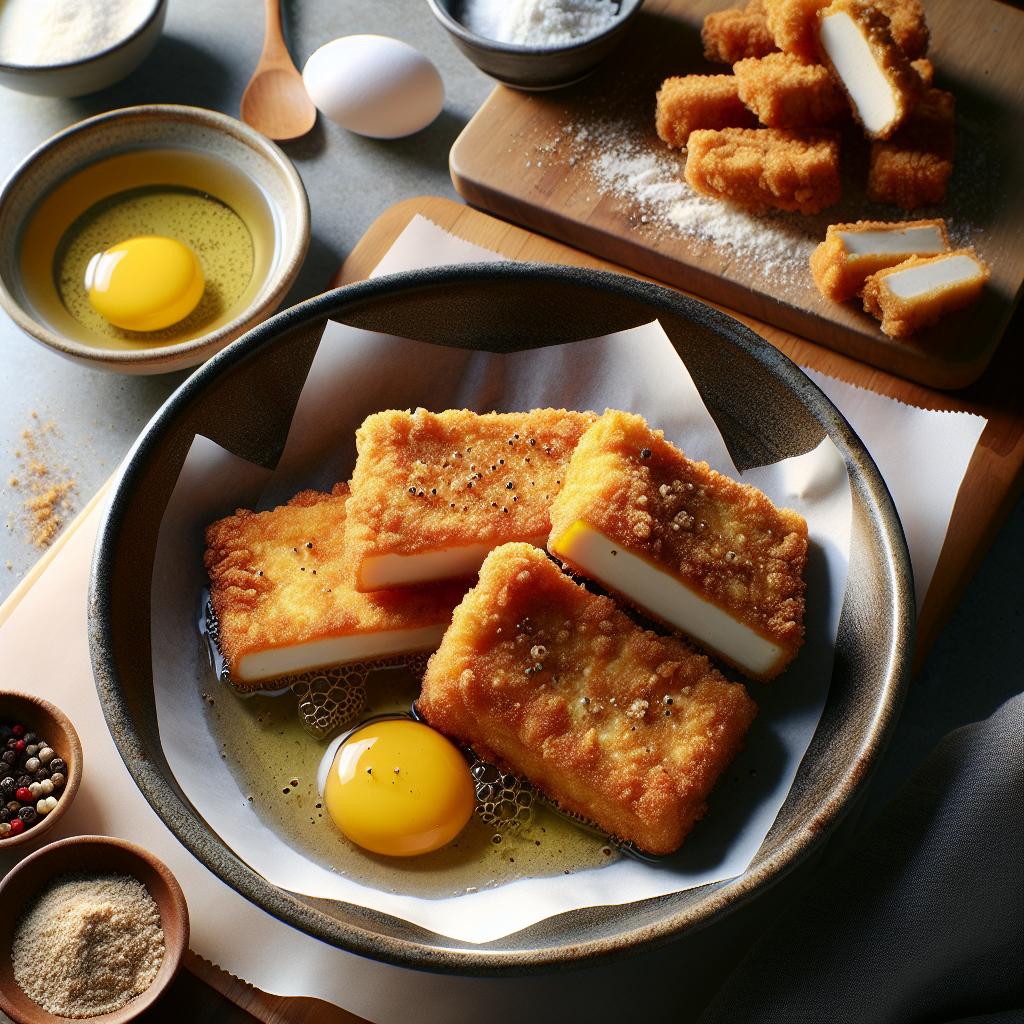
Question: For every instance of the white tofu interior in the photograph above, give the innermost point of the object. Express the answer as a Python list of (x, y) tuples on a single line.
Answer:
[(932, 276), (337, 650), (668, 599), (924, 240), (381, 572), (855, 64)]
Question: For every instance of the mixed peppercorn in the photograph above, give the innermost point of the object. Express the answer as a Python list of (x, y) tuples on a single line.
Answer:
[(32, 778)]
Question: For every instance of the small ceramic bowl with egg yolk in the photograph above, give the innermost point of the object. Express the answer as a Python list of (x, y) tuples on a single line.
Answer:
[(144, 240)]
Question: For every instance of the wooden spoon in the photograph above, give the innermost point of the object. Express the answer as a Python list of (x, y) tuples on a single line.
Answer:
[(275, 101)]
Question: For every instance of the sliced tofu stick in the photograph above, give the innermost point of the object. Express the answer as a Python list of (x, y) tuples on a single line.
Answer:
[(882, 86), (922, 290), (850, 253)]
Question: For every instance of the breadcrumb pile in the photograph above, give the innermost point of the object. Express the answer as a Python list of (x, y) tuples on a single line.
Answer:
[(48, 489)]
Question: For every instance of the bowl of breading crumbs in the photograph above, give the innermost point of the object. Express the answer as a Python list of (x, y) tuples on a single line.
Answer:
[(93, 928)]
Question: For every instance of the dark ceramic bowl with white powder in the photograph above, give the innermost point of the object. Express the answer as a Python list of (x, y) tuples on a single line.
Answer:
[(536, 44)]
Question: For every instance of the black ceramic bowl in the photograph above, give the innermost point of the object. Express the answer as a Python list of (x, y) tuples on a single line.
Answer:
[(766, 408), (531, 66)]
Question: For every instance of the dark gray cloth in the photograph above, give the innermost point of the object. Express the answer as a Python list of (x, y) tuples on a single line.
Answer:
[(921, 919)]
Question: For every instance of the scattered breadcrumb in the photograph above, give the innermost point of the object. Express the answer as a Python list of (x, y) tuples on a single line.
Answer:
[(48, 489)]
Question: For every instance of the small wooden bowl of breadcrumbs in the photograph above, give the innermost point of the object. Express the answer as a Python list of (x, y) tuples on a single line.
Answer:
[(92, 928)]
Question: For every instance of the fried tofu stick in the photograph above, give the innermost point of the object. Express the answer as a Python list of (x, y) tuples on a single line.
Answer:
[(907, 25), (765, 167), (794, 26), (432, 493), (913, 168), (699, 101), (784, 92), (851, 253), (684, 544), (281, 588), (922, 290), (626, 728), (856, 45), (733, 34)]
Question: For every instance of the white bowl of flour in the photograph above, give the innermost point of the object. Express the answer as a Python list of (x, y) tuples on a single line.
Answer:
[(71, 47)]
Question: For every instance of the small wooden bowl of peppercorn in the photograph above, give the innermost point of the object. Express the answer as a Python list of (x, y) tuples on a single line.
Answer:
[(40, 767), (93, 927)]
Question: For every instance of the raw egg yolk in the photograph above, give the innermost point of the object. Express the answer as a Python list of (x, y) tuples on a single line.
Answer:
[(399, 788), (145, 284)]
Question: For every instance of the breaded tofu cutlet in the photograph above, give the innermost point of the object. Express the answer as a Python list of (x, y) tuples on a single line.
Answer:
[(699, 101), (689, 547), (850, 253), (920, 291), (794, 26), (760, 168), (907, 25), (855, 43), (731, 35), (626, 728), (784, 92), (432, 493), (281, 590), (913, 168)]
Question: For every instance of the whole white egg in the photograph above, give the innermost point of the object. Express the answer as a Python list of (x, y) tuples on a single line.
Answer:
[(374, 85)]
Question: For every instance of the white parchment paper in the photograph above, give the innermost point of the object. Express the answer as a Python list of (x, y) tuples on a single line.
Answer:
[(355, 373)]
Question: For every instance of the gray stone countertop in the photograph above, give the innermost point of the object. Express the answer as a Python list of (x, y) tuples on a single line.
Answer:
[(205, 56)]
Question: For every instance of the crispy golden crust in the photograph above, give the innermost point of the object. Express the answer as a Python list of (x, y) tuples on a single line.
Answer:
[(698, 101), (892, 62), (925, 71), (901, 317), (785, 92), (629, 729), (723, 539), (765, 167), (840, 275), (913, 168), (907, 25), (424, 481), (794, 26), (283, 577), (733, 34)]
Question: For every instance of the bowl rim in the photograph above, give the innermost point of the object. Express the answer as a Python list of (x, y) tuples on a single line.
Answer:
[(78, 62), (174, 955), (627, 10), (193, 348), (31, 835), (181, 819)]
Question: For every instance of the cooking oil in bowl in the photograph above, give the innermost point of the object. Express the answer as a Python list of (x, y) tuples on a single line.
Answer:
[(147, 248)]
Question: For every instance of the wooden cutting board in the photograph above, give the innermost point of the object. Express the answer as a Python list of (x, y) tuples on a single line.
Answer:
[(542, 160)]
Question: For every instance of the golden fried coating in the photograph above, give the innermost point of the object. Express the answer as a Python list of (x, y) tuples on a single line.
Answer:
[(840, 269), (283, 578), (905, 306), (794, 26), (626, 728), (785, 92), (765, 167), (724, 541), (452, 484), (907, 25), (925, 71), (851, 34), (913, 168), (699, 101), (733, 34)]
